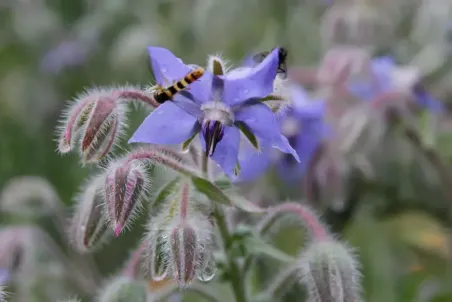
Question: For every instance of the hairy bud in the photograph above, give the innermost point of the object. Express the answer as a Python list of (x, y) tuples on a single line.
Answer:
[(89, 225), (355, 23), (126, 185), (183, 251), (93, 123), (29, 196), (343, 63), (330, 272), (124, 289), (179, 245)]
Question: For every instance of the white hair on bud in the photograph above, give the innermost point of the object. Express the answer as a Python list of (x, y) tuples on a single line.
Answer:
[(90, 193), (79, 111), (139, 205), (330, 271)]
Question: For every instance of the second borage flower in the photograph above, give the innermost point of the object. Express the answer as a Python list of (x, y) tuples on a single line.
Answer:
[(220, 107)]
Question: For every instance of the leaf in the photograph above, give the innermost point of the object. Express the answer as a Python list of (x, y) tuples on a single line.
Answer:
[(256, 245), (248, 134), (211, 190), (272, 98), (165, 191), (187, 143), (246, 205), (422, 231)]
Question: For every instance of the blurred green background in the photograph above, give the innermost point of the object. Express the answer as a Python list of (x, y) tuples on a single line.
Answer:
[(52, 50)]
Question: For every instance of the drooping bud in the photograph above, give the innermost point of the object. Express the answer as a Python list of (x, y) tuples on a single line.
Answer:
[(184, 253), (330, 272), (29, 197), (94, 122), (126, 184), (124, 289), (89, 227), (356, 23), (343, 63)]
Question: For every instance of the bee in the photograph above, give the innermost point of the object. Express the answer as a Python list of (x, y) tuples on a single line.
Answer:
[(163, 94), (282, 56)]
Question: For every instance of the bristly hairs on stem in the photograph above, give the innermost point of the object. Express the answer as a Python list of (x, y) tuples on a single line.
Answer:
[(315, 228)]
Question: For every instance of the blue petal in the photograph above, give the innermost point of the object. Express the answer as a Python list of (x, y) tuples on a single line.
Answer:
[(168, 69), (424, 99), (262, 122), (250, 83), (227, 150), (253, 163), (167, 124)]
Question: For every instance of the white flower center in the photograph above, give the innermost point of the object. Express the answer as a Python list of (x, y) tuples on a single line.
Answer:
[(218, 111)]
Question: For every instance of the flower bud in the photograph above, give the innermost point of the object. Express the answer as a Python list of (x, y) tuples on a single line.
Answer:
[(126, 185), (330, 272), (124, 289), (356, 23), (183, 249), (89, 225), (341, 64), (29, 197), (94, 122)]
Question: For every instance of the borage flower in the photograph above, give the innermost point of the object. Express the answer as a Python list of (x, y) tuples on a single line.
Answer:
[(302, 123), (387, 77), (217, 106)]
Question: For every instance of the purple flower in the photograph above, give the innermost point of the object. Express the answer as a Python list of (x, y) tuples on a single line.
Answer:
[(66, 54), (382, 80), (302, 123), (215, 106), (4, 276)]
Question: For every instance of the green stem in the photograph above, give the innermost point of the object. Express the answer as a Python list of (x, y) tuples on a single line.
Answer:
[(235, 275)]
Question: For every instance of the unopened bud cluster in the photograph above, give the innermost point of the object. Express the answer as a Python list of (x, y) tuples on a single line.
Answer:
[(180, 243)]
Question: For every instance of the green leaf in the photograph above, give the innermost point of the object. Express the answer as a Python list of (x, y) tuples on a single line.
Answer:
[(187, 143), (211, 190), (165, 192), (272, 97), (248, 134), (255, 245), (217, 68), (246, 205)]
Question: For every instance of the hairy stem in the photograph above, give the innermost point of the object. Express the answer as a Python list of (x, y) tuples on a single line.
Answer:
[(236, 277), (137, 94)]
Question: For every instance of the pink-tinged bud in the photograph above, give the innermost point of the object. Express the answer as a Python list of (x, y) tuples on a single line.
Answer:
[(125, 186), (184, 254), (89, 227), (94, 122), (330, 272), (340, 64), (356, 23)]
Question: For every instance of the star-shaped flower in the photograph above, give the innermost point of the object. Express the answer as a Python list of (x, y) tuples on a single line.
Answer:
[(217, 106), (386, 76), (302, 123)]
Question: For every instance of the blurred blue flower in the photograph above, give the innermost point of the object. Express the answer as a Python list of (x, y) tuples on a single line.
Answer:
[(4, 275), (215, 106), (66, 54), (303, 124), (382, 81)]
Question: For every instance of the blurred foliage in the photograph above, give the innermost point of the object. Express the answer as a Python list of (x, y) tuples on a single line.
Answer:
[(50, 50)]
